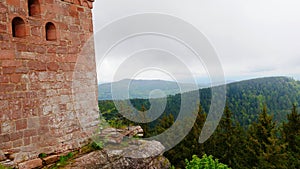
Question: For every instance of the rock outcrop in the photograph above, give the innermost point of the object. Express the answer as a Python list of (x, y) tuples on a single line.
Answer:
[(139, 155), (123, 151)]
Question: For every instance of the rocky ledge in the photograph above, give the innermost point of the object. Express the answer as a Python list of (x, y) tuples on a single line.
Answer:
[(121, 149), (140, 154)]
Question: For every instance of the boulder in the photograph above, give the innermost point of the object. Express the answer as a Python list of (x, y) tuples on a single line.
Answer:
[(141, 155)]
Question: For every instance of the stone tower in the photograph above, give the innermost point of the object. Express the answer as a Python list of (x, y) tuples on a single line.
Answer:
[(48, 100)]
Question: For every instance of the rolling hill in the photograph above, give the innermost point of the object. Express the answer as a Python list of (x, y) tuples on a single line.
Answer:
[(141, 89), (244, 98)]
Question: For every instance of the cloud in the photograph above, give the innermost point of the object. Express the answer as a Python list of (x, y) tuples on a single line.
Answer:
[(252, 38), (261, 69)]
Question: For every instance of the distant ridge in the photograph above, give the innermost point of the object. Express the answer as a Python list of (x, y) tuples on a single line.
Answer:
[(141, 89)]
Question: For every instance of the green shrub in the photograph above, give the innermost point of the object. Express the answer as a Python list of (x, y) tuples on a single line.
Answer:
[(63, 161), (42, 155), (3, 167), (172, 167), (97, 146), (206, 162)]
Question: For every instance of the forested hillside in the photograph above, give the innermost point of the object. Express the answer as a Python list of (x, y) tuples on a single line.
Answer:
[(244, 98), (260, 127)]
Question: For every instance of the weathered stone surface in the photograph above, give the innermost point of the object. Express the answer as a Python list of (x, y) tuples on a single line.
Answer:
[(50, 159), (133, 131), (42, 109), (121, 157), (31, 164), (144, 149), (8, 163), (112, 135), (92, 160), (2, 156)]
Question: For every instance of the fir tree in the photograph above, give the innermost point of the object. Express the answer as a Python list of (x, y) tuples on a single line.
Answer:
[(189, 145), (164, 123), (144, 125), (291, 135), (226, 141), (264, 150)]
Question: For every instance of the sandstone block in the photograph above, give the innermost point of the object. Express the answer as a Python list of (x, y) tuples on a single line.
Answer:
[(21, 124), (31, 164), (50, 159), (7, 54)]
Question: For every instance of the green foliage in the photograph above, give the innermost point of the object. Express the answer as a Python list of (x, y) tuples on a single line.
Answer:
[(63, 161), (172, 167), (263, 148), (246, 98), (291, 130), (258, 146), (206, 162), (42, 155), (144, 125), (189, 145), (227, 139), (247, 136), (97, 146), (93, 146), (3, 167), (164, 123), (291, 135)]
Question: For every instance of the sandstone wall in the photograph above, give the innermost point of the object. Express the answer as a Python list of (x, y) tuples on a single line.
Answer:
[(48, 100)]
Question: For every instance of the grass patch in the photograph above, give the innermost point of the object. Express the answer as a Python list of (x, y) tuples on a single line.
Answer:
[(42, 155), (3, 167), (92, 147), (63, 161)]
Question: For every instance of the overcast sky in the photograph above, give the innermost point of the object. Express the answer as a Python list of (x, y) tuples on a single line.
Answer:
[(252, 38)]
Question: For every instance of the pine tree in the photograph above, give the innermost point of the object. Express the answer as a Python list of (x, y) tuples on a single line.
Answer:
[(164, 123), (193, 137), (189, 145), (291, 135), (144, 125), (226, 141), (264, 150), (239, 143)]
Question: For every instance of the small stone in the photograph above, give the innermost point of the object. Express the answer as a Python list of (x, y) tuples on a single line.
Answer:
[(31, 164), (50, 159), (2, 156)]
